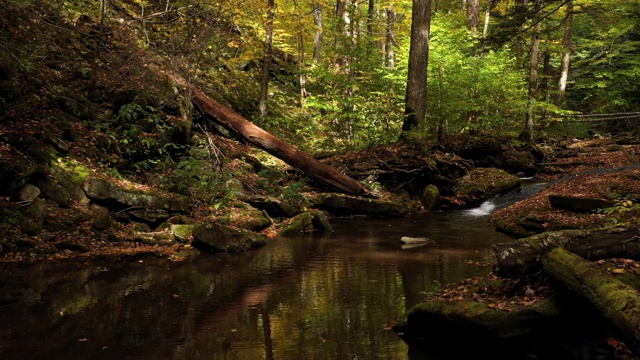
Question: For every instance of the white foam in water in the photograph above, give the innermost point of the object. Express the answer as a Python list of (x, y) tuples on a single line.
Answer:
[(484, 209)]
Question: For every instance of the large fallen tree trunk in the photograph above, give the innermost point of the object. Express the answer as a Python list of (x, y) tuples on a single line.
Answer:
[(260, 138), (616, 301), (523, 255)]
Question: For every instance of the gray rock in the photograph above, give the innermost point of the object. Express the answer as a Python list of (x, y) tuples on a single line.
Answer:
[(215, 237), (102, 189), (27, 192)]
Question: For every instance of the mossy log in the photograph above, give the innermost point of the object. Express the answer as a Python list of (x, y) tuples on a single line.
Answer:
[(523, 255), (260, 138), (618, 302)]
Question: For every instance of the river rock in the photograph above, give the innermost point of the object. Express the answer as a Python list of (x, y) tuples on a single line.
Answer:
[(321, 221), (430, 197), (27, 192), (273, 206), (340, 204), (484, 183), (216, 237)]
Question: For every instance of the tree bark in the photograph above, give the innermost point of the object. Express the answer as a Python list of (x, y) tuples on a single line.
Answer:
[(416, 93), (566, 55), (473, 15), (389, 53), (523, 255), (318, 37), (260, 138), (485, 28), (527, 134), (618, 302), (266, 66)]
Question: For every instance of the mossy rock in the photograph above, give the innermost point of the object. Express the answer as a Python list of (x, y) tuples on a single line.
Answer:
[(247, 217), (321, 221), (440, 319), (430, 197), (299, 224), (484, 183), (216, 237), (105, 190), (183, 233), (340, 204)]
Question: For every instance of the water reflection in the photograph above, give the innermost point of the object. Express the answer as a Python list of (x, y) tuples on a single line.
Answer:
[(312, 297)]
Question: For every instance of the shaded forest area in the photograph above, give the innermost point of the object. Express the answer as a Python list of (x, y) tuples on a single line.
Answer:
[(103, 152)]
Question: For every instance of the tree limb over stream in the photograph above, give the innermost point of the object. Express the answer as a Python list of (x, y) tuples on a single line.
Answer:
[(260, 138)]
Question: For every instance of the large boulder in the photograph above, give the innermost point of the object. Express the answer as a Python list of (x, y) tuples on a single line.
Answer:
[(109, 191), (216, 237)]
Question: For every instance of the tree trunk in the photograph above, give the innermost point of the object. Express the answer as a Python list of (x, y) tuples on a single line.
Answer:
[(618, 302), (527, 134), (318, 37), (473, 15), (266, 65), (302, 78), (566, 55), (523, 255), (389, 53), (260, 138), (416, 93), (485, 28)]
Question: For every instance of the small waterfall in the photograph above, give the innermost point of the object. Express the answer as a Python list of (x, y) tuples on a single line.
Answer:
[(484, 209), (528, 189)]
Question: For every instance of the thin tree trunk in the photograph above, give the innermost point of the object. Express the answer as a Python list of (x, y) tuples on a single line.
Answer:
[(370, 13), (318, 37), (485, 28), (266, 65), (342, 19), (389, 53), (302, 79), (416, 93), (527, 134), (260, 138), (566, 55)]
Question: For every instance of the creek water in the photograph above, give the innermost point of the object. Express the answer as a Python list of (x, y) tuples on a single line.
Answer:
[(327, 296)]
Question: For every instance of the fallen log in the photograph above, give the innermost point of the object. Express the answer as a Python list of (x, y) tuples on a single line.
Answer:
[(523, 255), (618, 302), (262, 139)]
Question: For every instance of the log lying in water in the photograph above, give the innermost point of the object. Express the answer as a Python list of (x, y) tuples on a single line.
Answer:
[(523, 255), (616, 301)]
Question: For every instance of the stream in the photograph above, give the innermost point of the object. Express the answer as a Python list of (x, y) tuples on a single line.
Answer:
[(328, 296)]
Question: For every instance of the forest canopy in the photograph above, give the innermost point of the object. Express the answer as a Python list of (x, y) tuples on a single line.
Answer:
[(337, 71)]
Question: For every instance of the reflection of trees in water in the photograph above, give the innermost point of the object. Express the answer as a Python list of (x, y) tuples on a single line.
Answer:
[(295, 298)]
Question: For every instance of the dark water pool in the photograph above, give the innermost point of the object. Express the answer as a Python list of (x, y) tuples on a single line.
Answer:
[(312, 297)]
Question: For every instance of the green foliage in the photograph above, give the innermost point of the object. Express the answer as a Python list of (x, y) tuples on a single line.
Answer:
[(201, 181), (143, 136), (293, 195), (469, 91), (607, 66), (623, 205)]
